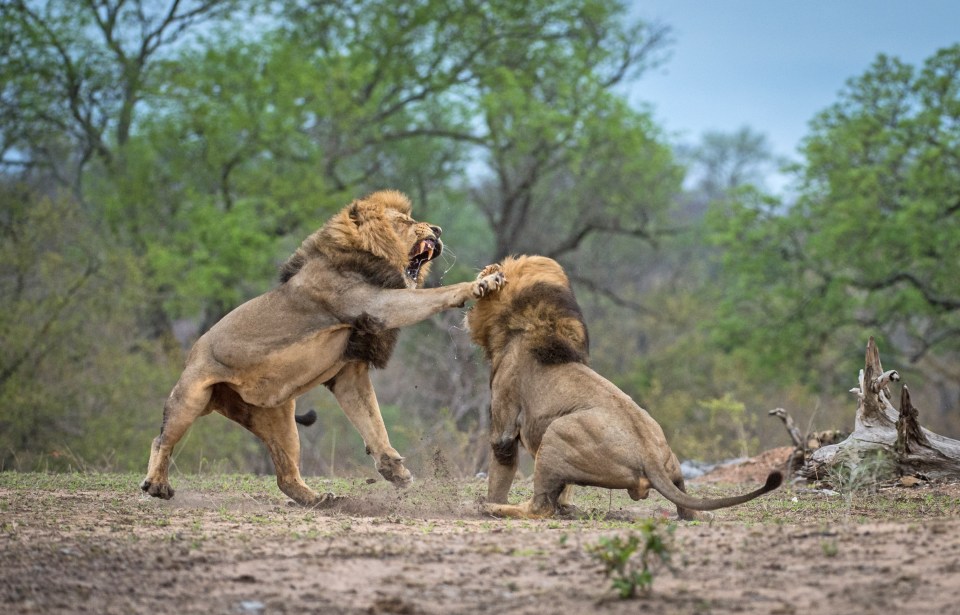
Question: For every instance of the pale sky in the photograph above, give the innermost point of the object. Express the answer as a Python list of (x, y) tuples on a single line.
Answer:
[(773, 64)]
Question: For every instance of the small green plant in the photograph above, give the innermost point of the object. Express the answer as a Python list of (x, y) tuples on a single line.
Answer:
[(830, 548), (653, 548)]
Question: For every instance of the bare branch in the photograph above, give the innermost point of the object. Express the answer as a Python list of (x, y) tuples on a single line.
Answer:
[(52, 317), (591, 285), (614, 228), (945, 303)]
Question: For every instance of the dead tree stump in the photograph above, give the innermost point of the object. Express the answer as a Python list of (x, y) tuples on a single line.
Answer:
[(879, 427), (804, 447)]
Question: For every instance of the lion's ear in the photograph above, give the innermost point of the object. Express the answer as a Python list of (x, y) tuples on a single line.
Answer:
[(364, 212), (356, 213)]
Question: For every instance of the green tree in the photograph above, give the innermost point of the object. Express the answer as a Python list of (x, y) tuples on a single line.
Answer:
[(870, 245), (81, 382), (74, 74), (658, 329), (203, 155)]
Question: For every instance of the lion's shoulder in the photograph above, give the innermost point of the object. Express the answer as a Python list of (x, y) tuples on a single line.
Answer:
[(370, 341)]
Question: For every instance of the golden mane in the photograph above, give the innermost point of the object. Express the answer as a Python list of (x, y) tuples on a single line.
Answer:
[(538, 306), (363, 226)]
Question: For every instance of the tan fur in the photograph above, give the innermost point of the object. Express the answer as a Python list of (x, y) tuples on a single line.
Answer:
[(580, 428), (344, 294)]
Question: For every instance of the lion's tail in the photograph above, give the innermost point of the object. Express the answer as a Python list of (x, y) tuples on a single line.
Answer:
[(307, 419), (665, 486)]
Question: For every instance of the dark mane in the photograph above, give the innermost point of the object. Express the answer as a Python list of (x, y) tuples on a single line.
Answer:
[(293, 266), (552, 304), (369, 341), (375, 270)]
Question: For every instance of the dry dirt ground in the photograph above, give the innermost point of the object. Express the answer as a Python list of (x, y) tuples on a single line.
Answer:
[(74, 543)]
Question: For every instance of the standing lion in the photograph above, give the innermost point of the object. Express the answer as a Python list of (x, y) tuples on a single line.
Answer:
[(580, 428), (343, 296)]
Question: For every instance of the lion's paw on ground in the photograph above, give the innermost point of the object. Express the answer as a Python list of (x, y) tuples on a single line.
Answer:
[(157, 490)]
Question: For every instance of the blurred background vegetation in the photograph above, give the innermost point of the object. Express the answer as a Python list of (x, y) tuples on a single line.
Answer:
[(159, 160)]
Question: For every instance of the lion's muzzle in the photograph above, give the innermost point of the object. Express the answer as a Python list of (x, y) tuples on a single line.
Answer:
[(424, 251)]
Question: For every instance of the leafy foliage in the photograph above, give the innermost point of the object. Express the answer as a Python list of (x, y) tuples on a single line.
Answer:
[(653, 547), (868, 246)]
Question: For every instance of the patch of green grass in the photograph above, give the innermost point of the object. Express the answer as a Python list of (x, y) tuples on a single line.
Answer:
[(69, 481), (856, 476), (525, 552)]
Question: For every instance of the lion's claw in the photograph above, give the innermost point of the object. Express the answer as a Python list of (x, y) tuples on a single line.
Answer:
[(489, 270), (489, 283), (326, 499)]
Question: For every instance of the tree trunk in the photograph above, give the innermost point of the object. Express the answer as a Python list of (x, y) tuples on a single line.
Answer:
[(880, 428)]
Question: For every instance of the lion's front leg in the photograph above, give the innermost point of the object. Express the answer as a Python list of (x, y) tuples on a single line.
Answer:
[(188, 401), (401, 308), (504, 444), (354, 393), (501, 471)]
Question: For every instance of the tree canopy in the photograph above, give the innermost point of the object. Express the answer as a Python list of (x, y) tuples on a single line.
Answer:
[(871, 243), (159, 160)]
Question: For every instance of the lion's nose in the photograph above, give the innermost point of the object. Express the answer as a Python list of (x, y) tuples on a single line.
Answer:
[(436, 230)]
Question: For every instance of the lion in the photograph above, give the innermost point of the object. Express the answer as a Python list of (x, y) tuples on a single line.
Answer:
[(342, 297), (579, 427)]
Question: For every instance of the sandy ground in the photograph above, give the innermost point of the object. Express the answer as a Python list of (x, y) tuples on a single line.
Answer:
[(98, 546)]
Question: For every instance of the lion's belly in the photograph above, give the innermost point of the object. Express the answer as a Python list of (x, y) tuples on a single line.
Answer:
[(288, 372)]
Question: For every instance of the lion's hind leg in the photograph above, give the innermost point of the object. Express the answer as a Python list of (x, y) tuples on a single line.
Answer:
[(277, 428), (548, 491), (513, 511), (188, 401)]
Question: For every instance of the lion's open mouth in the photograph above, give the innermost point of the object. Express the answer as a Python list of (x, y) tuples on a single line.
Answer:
[(423, 251)]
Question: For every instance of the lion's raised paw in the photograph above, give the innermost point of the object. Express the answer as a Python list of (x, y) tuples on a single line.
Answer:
[(489, 284), (489, 270)]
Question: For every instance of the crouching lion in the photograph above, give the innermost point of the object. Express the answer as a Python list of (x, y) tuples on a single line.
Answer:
[(342, 296), (580, 428)]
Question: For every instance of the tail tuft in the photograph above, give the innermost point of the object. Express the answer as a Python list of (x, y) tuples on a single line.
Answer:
[(309, 418), (774, 480)]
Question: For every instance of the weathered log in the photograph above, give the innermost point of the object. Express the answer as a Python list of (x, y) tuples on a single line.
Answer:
[(879, 427), (804, 446)]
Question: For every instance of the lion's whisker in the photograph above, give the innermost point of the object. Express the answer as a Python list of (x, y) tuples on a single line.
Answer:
[(443, 255)]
